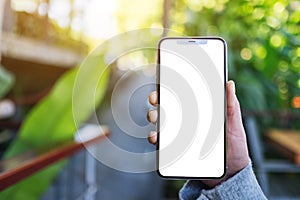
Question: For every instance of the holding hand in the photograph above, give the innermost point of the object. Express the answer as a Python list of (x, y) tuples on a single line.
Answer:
[(237, 151)]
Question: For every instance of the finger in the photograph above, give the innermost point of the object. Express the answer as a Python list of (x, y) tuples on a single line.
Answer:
[(234, 119), (235, 135), (152, 116), (152, 138), (233, 107), (153, 98)]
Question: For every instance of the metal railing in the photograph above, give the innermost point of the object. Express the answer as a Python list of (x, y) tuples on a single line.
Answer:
[(77, 181)]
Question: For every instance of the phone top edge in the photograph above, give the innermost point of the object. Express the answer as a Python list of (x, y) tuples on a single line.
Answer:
[(191, 37)]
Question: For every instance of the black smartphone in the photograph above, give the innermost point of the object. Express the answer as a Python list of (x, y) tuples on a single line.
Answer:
[(191, 85)]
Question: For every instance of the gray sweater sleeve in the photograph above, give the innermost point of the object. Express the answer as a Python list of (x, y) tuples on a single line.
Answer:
[(243, 185)]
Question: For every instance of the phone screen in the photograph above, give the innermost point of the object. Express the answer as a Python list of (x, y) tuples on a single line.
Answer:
[(191, 79)]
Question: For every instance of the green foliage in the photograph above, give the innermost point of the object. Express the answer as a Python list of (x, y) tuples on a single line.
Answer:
[(52, 121), (6, 81), (263, 39)]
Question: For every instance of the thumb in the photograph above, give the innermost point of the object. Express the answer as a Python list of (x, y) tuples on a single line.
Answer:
[(234, 119)]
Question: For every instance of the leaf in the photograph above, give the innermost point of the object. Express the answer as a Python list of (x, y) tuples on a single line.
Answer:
[(51, 121), (270, 62), (250, 91), (6, 81)]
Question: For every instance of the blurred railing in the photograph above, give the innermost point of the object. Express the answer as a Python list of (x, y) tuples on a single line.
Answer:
[(77, 181), (79, 174), (272, 167), (282, 118)]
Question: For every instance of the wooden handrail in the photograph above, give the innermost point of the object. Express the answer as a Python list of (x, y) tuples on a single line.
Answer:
[(15, 169), (286, 142), (276, 114)]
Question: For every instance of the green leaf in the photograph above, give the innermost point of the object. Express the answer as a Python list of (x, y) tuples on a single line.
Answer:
[(270, 62), (54, 120), (6, 81), (250, 91)]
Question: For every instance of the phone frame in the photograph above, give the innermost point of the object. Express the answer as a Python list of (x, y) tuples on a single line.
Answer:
[(158, 102)]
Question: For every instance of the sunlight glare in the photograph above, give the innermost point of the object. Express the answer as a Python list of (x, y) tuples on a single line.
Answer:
[(24, 5), (99, 19)]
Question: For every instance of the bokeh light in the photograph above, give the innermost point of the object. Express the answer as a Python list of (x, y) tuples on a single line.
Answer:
[(246, 53), (296, 102)]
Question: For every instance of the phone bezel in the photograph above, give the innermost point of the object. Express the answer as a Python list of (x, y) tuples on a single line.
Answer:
[(158, 99)]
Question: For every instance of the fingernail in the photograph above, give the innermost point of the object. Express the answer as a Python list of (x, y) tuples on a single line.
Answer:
[(232, 86), (152, 137), (152, 115), (153, 97), (152, 133)]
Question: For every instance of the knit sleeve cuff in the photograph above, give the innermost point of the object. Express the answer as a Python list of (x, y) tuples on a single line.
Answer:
[(242, 185)]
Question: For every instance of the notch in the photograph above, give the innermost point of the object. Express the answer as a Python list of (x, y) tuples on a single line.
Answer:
[(192, 41)]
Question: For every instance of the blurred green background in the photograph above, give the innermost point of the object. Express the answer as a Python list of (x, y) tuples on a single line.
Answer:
[(263, 38), (262, 35)]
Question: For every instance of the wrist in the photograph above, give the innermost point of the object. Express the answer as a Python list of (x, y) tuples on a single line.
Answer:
[(229, 173), (213, 183)]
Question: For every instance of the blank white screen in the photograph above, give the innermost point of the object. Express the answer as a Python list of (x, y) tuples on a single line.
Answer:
[(188, 61)]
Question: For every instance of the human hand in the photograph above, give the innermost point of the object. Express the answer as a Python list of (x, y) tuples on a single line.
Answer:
[(237, 150)]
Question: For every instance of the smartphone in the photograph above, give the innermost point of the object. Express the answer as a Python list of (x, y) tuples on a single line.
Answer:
[(191, 85)]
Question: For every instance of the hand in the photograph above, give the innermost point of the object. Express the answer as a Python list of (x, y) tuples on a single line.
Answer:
[(237, 151)]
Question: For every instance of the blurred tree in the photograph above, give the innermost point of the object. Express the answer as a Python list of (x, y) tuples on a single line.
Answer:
[(263, 39), (38, 24)]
